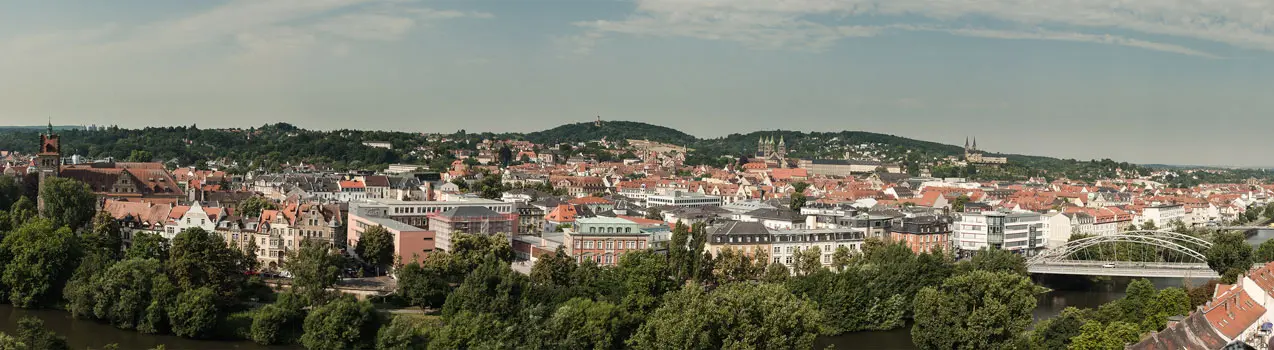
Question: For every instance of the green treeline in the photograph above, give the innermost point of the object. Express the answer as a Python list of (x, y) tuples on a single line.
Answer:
[(274, 145), (1117, 323), (195, 286)]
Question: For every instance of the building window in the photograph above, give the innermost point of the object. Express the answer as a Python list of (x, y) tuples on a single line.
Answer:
[(577, 244), (778, 250), (610, 244), (588, 244), (641, 244)]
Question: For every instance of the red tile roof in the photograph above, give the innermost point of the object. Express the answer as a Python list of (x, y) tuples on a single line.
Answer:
[(1232, 312), (351, 184)]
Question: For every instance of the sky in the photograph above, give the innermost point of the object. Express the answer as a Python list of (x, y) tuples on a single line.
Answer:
[(1147, 81)]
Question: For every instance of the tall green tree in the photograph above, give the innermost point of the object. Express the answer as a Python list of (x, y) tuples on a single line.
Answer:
[(471, 250), (492, 288), (400, 334), (10, 192), (1229, 256), (741, 315), (40, 261), (68, 202), (314, 268), (1167, 303), (841, 258), (195, 313), (1056, 333), (121, 294), (23, 210), (341, 324), (147, 246), (1265, 252), (808, 260), (376, 247), (200, 259), (423, 285), (280, 322), (553, 269), (797, 201), (957, 204), (253, 206), (976, 310), (776, 273), (583, 324)]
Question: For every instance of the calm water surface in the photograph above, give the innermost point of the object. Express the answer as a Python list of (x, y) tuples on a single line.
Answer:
[(83, 334)]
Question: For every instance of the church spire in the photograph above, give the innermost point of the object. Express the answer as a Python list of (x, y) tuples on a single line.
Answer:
[(966, 143), (975, 143)]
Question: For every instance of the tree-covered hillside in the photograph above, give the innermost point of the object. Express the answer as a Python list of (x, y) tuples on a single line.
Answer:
[(613, 131), (270, 146)]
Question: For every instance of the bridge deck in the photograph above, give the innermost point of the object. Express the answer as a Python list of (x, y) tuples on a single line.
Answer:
[(1125, 270)]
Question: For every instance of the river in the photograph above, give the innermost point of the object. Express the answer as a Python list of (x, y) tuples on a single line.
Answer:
[(88, 334)]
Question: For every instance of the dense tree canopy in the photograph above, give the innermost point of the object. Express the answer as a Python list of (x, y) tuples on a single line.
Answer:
[(200, 259), (341, 324), (195, 313), (1230, 255), (253, 206), (976, 310), (734, 316), (40, 260), (68, 202), (314, 268)]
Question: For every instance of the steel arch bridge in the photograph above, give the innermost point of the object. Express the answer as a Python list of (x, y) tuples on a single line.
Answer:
[(1067, 259)]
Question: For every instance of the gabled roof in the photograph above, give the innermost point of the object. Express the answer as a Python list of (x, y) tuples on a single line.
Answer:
[(1232, 312), (377, 181), (739, 227), (468, 212)]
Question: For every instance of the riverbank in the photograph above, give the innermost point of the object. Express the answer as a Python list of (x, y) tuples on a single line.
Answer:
[(89, 334)]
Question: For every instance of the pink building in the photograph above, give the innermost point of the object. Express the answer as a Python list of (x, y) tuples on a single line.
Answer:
[(410, 242)]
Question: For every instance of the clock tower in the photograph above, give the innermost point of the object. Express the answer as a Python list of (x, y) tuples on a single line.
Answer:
[(48, 161)]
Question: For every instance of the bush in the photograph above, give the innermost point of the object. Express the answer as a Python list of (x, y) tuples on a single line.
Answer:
[(341, 324), (195, 314), (279, 323), (236, 326)]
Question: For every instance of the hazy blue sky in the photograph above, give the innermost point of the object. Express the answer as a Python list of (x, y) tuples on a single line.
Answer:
[(1162, 81)]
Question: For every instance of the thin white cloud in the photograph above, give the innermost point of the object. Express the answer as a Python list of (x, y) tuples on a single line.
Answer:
[(365, 26), (259, 28), (812, 24), (1074, 37)]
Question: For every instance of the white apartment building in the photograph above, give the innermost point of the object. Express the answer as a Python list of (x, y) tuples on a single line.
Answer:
[(682, 199), (416, 213), (1061, 226), (1162, 215), (1020, 232), (195, 215), (786, 243)]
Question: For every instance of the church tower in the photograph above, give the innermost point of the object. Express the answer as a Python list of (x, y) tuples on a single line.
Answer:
[(48, 161), (782, 150)]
